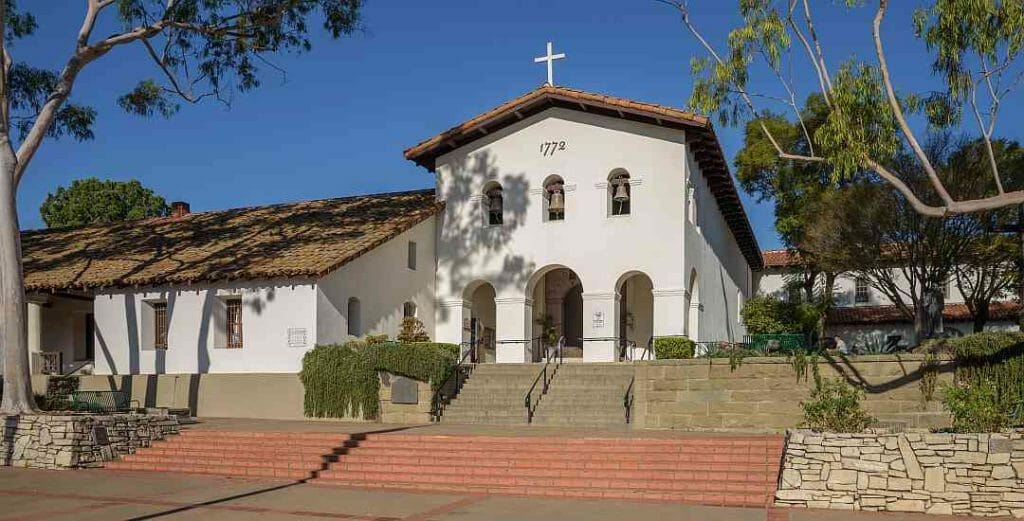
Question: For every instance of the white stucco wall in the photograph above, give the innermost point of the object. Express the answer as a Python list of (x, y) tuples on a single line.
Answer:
[(774, 282), (601, 249), (268, 310), (382, 282), (722, 273)]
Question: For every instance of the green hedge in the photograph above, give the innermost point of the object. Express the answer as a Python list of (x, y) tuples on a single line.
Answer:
[(341, 380), (673, 347)]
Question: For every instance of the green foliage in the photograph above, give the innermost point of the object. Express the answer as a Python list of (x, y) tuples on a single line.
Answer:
[(673, 348), (929, 369), (802, 360), (994, 359), (548, 331), (768, 315), (413, 331), (975, 407), (92, 201), (341, 380), (834, 406), (58, 388)]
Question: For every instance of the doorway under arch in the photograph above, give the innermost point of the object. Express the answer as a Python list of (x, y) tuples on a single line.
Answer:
[(636, 315), (557, 294), (482, 321)]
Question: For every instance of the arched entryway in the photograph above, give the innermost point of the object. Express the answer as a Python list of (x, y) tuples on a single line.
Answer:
[(636, 315), (557, 294), (482, 321)]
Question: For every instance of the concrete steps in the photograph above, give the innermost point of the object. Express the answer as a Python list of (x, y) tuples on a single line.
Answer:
[(716, 471), (493, 394)]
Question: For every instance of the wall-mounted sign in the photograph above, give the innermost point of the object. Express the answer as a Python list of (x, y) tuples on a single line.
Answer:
[(598, 321), (296, 337)]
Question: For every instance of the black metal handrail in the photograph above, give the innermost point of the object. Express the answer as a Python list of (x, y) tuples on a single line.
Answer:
[(441, 399), (544, 378), (627, 400)]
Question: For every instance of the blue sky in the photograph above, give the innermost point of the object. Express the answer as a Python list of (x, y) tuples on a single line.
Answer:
[(337, 122)]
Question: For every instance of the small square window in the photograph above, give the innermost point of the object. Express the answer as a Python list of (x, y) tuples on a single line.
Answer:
[(860, 291), (411, 263)]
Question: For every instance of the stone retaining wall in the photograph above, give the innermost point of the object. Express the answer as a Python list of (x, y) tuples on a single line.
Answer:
[(975, 474), (763, 394), (65, 441)]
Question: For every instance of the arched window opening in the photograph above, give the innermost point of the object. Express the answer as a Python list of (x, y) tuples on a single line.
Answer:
[(409, 310), (554, 199), (494, 202), (619, 193), (355, 327)]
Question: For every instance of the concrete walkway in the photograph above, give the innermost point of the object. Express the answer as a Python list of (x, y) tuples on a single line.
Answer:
[(88, 495)]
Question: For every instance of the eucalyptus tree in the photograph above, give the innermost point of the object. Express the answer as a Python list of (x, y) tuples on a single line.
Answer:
[(199, 49), (974, 47)]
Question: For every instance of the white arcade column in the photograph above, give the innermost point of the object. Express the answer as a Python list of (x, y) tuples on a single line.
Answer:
[(600, 326), (35, 334), (513, 321), (452, 322), (670, 308)]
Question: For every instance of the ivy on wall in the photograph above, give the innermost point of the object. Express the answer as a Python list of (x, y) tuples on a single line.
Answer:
[(342, 380)]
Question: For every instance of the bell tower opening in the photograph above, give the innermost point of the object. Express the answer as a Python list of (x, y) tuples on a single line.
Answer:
[(619, 193)]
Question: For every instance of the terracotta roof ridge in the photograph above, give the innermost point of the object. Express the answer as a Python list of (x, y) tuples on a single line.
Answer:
[(190, 215)]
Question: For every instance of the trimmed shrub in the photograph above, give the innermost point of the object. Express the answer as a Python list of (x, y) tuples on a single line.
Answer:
[(975, 408), (834, 406), (768, 315), (413, 331), (673, 347), (341, 380)]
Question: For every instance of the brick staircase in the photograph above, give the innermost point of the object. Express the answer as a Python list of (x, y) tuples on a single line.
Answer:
[(712, 470), (237, 453), (580, 395)]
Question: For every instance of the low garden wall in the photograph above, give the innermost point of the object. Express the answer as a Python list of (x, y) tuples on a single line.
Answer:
[(65, 441), (938, 473), (764, 394)]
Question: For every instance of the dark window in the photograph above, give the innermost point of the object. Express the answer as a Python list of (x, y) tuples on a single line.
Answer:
[(354, 317), (234, 323), (90, 336), (412, 255), (409, 310), (160, 325), (495, 206)]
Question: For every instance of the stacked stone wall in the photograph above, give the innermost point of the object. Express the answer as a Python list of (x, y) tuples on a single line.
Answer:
[(65, 441), (937, 473)]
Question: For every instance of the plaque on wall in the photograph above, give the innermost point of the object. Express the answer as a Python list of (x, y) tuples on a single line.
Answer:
[(404, 390)]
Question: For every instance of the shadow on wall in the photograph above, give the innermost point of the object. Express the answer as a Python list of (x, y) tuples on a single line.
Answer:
[(467, 237)]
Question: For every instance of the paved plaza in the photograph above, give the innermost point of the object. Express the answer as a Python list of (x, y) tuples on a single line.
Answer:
[(95, 495)]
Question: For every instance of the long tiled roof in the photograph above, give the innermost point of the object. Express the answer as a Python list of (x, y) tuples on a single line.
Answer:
[(780, 259), (863, 315), (701, 138), (303, 239)]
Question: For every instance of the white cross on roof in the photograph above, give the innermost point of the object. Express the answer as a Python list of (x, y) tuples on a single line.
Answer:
[(550, 58)]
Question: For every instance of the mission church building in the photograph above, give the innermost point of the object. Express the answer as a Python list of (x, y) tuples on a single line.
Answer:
[(612, 221)]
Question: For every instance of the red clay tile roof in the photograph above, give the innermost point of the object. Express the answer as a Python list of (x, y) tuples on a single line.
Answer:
[(701, 138), (303, 239), (861, 315), (780, 258)]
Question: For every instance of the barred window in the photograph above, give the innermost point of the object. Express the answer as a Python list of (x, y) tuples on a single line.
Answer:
[(160, 325), (234, 323)]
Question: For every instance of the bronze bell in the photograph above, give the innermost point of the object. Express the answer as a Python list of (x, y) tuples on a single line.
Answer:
[(621, 193), (557, 202)]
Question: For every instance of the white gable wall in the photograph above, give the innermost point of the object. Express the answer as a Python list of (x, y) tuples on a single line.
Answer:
[(382, 282), (598, 247)]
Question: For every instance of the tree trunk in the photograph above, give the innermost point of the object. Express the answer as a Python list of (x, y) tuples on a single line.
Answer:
[(928, 315), (13, 336), (980, 316)]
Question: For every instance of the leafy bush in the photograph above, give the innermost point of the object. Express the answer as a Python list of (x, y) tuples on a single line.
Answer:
[(995, 358), (413, 331), (673, 347), (341, 380), (834, 406), (975, 408), (768, 315)]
